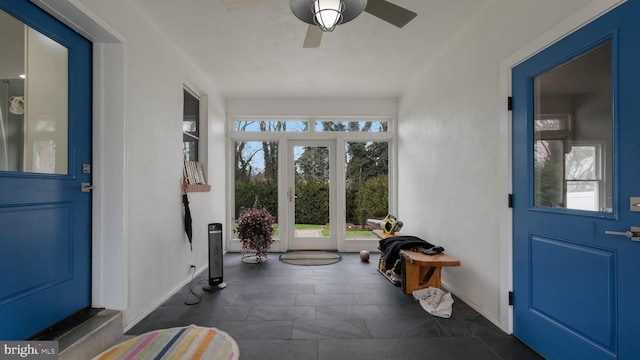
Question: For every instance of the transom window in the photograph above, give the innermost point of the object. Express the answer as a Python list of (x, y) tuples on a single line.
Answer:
[(264, 125)]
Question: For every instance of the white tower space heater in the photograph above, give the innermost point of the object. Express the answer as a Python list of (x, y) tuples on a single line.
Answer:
[(215, 258)]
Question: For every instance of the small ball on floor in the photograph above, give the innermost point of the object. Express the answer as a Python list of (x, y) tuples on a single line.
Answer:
[(364, 256)]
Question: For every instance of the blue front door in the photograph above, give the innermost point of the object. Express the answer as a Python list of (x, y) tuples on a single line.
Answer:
[(45, 138), (576, 131)]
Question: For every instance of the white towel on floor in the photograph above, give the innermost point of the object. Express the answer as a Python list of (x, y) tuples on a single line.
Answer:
[(435, 301)]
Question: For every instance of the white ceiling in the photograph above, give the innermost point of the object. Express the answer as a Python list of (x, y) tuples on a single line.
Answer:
[(256, 52)]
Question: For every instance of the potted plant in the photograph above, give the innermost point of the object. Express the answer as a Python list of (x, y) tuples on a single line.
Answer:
[(255, 227)]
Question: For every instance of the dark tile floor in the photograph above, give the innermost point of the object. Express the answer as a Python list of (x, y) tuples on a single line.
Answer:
[(341, 311)]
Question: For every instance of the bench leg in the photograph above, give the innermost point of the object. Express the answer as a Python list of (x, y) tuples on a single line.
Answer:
[(415, 277)]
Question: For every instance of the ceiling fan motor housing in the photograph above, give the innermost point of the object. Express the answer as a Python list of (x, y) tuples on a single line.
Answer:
[(302, 9)]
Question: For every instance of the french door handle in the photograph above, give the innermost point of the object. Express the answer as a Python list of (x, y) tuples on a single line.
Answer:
[(292, 196), (633, 234)]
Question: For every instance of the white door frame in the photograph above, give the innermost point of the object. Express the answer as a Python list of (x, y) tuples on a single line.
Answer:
[(578, 19)]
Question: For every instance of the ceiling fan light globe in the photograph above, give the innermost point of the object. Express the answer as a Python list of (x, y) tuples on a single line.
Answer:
[(327, 13)]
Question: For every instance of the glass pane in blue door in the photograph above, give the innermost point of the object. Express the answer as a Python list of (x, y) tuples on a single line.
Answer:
[(33, 100), (573, 122)]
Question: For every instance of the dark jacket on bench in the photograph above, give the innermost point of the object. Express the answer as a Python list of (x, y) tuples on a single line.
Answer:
[(391, 247)]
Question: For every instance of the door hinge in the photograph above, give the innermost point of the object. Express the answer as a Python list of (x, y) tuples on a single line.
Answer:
[(510, 201), (510, 103), (510, 297)]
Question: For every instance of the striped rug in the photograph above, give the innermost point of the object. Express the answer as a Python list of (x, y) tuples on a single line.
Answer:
[(310, 258), (191, 342)]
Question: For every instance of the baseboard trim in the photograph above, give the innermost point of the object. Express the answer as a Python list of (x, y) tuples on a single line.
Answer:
[(160, 301), (486, 314)]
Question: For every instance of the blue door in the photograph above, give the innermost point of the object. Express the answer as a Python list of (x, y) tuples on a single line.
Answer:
[(45, 138), (576, 181)]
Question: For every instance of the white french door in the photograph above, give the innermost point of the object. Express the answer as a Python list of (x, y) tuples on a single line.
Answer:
[(311, 195)]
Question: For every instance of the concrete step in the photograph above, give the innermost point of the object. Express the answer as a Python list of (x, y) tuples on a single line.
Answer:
[(91, 337)]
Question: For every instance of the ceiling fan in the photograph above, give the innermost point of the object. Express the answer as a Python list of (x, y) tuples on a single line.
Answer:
[(324, 15)]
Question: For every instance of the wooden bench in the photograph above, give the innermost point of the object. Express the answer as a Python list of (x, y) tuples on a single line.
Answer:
[(420, 270)]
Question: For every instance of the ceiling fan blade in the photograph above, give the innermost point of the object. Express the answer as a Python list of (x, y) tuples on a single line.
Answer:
[(389, 12), (313, 37), (236, 4)]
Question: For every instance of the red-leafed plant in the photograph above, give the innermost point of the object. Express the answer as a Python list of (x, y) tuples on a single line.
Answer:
[(255, 227)]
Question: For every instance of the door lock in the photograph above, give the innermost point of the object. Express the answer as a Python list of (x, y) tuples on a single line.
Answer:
[(86, 187), (633, 233)]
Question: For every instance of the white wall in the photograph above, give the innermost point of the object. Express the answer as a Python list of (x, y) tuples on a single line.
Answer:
[(141, 254), (312, 107), (453, 148)]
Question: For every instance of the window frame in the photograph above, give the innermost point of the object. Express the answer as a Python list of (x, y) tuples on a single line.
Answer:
[(598, 170), (340, 138)]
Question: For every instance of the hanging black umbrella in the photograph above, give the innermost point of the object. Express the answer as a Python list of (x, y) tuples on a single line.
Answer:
[(187, 217)]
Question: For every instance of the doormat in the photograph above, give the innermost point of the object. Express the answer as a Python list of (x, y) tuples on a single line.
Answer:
[(310, 258), (191, 342)]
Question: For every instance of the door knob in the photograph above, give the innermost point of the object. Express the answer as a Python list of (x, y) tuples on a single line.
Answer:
[(291, 195), (633, 233), (86, 187)]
